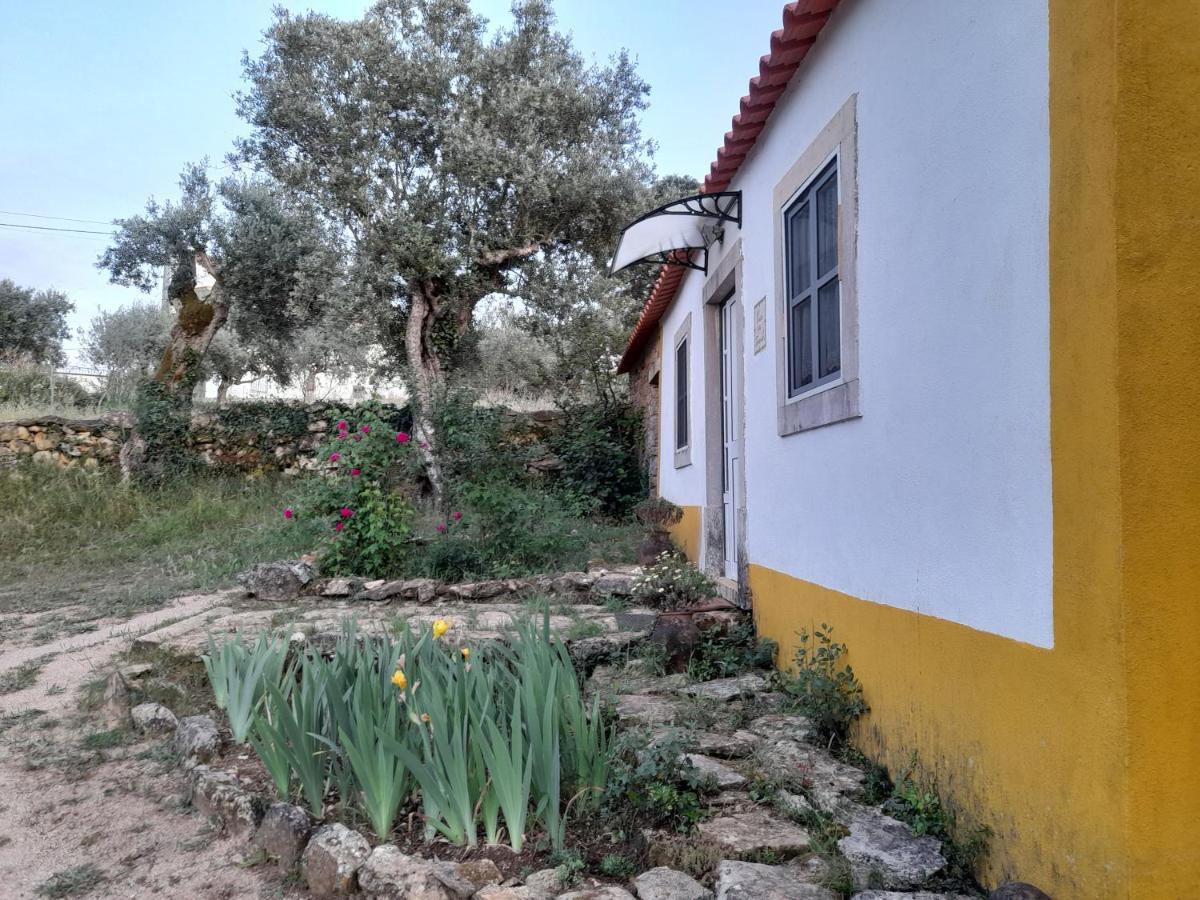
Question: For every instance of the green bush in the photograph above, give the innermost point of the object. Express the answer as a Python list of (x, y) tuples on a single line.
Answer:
[(497, 738), (653, 785), (30, 386), (725, 653), (364, 500), (598, 447), (823, 688), (672, 582)]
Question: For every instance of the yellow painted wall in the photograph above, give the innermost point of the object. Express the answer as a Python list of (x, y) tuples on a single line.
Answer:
[(686, 534), (1084, 759)]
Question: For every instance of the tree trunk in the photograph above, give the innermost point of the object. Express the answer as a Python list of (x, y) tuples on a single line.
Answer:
[(309, 387), (164, 405), (426, 376), (223, 385)]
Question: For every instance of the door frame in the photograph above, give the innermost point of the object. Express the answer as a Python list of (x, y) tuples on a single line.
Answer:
[(722, 286)]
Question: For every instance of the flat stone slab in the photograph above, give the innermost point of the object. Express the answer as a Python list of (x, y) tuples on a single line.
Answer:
[(801, 765), (884, 850), (738, 745), (646, 709), (662, 883), (755, 881), (751, 833), (715, 773), (904, 895), (722, 690), (782, 725)]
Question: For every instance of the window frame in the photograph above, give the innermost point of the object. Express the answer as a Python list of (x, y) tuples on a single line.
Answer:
[(810, 193), (682, 375), (836, 397)]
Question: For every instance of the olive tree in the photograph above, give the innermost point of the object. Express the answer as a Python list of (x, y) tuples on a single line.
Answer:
[(245, 245), (33, 323), (450, 159)]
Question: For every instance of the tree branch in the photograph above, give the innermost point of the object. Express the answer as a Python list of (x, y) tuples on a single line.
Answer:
[(493, 259)]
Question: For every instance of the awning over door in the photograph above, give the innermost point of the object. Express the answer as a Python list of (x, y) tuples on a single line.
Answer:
[(678, 233)]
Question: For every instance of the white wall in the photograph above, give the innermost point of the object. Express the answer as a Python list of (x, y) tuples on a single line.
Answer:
[(938, 498)]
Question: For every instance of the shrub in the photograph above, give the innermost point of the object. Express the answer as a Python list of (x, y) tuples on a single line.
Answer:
[(824, 689), (728, 652), (31, 386), (672, 582), (654, 783), (365, 497), (598, 448)]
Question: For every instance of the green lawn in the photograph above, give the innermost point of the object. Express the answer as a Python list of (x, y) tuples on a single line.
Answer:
[(70, 537)]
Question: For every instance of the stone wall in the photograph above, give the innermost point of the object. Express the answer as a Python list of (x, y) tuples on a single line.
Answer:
[(643, 393), (252, 438)]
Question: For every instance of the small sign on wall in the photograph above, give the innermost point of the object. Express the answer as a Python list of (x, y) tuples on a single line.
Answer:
[(760, 325)]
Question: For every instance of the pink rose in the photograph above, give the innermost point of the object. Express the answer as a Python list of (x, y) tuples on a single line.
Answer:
[(356, 471), (366, 429), (289, 513), (442, 528), (402, 437), (456, 516), (342, 426), (334, 457), (347, 512), (338, 526)]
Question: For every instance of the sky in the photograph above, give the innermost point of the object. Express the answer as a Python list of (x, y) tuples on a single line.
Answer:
[(101, 104)]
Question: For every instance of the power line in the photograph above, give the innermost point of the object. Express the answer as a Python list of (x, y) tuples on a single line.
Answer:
[(9, 212), (52, 228)]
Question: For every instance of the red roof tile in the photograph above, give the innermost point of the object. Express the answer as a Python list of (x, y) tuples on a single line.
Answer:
[(802, 22)]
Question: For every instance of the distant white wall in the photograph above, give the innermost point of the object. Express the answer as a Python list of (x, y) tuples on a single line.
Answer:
[(938, 499)]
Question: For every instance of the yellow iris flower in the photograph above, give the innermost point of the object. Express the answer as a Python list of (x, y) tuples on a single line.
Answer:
[(399, 680), (466, 652), (440, 627)]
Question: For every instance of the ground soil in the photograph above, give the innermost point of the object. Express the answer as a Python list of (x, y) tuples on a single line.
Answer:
[(68, 800)]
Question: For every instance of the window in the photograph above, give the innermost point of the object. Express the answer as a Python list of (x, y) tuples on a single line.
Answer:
[(681, 395), (815, 207), (814, 335)]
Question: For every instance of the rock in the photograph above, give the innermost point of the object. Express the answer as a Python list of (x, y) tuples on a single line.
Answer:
[(283, 833), (802, 765), (423, 590), (136, 671), (605, 892), (1018, 890), (738, 745), (903, 895), (883, 850), (339, 587), (779, 725), (154, 718), (613, 584), (570, 582), (794, 804), (587, 653), (646, 709), (667, 884), (499, 892), (714, 773), (543, 880), (196, 740), (276, 581), (218, 795), (756, 881), (725, 689), (747, 834), (116, 705), (480, 872), (332, 859), (393, 875)]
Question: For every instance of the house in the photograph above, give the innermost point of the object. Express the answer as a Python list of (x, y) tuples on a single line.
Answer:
[(923, 367)]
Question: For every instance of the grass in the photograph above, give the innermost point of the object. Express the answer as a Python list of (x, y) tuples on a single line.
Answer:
[(23, 676), (69, 537), (73, 882)]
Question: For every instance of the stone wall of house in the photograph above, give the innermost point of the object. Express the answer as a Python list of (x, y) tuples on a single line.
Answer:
[(643, 393)]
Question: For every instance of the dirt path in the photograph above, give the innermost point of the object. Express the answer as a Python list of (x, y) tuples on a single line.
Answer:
[(104, 817)]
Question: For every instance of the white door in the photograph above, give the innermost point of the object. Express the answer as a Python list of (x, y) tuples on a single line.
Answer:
[(729, 420)]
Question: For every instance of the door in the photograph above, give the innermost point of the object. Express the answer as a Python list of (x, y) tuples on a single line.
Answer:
[(729, 436)]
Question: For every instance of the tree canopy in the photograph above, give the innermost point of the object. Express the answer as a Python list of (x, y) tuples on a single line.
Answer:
[(33, 323)]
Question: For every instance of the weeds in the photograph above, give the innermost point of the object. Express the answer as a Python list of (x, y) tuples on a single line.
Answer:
[(824, 688), (23, 676), (73, 882)]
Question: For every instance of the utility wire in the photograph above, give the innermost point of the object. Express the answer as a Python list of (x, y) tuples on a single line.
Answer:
[(9, 212), (51, 228)]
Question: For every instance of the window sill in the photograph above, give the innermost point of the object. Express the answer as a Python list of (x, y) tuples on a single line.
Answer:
[(683, 458), (826, 406)]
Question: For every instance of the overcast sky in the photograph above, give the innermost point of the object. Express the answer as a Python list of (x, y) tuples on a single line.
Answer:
[(101, 103)]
